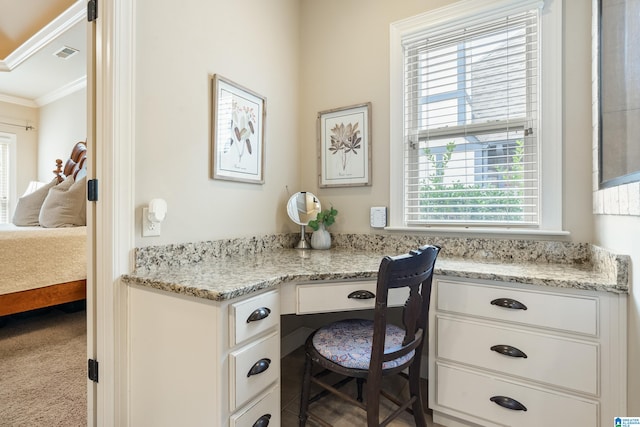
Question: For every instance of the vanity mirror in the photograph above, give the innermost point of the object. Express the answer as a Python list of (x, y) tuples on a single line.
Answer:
[(302, 207)]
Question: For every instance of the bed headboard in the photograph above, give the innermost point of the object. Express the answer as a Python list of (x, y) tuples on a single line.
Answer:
[(74, 164)]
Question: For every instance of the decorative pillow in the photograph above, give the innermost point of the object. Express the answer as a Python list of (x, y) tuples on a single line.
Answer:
[(65, 205), (28, 207)]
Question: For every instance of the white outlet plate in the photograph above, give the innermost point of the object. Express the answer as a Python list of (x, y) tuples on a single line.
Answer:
[(149, 229), (378, 217)]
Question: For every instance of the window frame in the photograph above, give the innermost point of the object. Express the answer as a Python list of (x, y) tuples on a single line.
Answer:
[(550, 115), (9, 139)]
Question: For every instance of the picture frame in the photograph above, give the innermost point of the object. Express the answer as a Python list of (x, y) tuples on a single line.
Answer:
[(344, 146), (238, 132), (617, 74)]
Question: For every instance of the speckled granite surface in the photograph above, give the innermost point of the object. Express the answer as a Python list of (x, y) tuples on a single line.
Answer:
[(228, 269)]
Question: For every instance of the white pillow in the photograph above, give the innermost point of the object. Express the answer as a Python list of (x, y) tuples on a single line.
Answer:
[(28, 208), (65, 205)]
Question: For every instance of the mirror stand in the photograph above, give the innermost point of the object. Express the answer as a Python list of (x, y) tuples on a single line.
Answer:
[(303, 243), (301, 208)]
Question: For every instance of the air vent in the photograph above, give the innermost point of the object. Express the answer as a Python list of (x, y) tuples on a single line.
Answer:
[(66, 52)]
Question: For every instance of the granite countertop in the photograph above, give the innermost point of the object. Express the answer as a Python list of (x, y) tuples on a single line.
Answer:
[(227, 276)]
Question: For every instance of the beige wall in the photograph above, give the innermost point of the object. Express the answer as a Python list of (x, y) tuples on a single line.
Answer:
[(345, 60), (251, 42), (62, 124), (26, 141), (307, 56)]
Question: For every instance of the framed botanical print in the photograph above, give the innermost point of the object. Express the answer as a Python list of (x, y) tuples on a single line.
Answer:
[(344, 144), (238, 132)]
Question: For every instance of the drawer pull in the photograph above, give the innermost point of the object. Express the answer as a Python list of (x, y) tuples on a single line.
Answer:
[(509, 403), (263, 421), (361, 294), (508, 350), (259, 314), (259, 367), (509, 303)]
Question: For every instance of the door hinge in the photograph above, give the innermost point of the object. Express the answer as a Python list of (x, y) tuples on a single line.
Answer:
[(92, 10), (92, 190), (93, 370)]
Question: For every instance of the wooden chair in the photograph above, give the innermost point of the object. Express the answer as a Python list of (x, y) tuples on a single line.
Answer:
[(357, 348)]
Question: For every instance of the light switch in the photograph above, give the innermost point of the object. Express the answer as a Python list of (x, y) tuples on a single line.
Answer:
[(378, 217)]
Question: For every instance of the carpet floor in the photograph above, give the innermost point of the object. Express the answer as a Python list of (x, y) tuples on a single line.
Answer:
[(43, 376), (43, 361)]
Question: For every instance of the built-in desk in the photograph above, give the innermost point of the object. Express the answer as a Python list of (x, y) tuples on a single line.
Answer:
[(188, 359)]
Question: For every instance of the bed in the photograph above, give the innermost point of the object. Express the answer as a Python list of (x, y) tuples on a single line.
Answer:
[(43, 266)]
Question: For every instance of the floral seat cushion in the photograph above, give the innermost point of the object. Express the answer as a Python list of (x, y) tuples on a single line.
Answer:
[(348, 343)]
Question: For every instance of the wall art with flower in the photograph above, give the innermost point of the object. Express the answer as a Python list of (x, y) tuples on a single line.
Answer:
[(344, 136), (238, 132)]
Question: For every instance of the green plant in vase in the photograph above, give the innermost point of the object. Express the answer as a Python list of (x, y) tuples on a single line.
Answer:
[(321, 239), (326, 217)]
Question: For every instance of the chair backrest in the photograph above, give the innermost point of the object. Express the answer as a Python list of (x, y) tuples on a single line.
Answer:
[(415, 271)]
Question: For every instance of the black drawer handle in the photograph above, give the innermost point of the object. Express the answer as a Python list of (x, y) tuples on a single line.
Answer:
[(361, 294), (509, 403), (259, 367), (508, 350), (263, 421), (509, 303), (259, 314)]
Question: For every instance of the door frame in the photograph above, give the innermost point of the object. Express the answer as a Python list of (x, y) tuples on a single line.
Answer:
[(111, 219)]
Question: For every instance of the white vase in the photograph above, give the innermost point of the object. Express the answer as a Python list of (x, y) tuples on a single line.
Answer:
[(321, 239)]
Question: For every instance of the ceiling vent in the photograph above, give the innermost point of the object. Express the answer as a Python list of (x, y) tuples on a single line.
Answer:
[(66, 52)]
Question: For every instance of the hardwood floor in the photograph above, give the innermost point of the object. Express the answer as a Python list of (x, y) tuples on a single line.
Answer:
[(331, 409)]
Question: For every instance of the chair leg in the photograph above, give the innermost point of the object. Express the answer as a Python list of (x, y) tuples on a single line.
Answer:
[(359, 383), (306, 389), (373, 402), (414, 390)]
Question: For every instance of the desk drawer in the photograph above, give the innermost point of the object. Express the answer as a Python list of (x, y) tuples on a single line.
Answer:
[(551, 310), (263, 356), (267, 408), (550, 359), (470, 392), (253, 316), (330, 297)]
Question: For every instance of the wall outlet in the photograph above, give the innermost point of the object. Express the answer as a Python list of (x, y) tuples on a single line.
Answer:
[(378, 217), (149, 229)]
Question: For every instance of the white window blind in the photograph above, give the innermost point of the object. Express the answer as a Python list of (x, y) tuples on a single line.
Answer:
[(4, 182), (471, 152)]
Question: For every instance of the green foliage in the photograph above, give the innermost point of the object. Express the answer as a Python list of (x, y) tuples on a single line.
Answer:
[(477, 202), (327, 216)]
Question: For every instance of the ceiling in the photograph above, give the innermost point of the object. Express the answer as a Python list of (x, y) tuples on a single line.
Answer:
[(31, 32)]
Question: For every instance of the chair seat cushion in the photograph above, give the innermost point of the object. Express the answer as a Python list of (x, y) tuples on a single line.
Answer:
[(348, 343)]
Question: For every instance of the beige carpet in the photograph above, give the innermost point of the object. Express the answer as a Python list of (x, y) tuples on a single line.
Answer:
[(43, 369)]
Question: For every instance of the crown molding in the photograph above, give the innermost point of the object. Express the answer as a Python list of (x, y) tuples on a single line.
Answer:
[(65, 90), (18, 100), (62, 23)]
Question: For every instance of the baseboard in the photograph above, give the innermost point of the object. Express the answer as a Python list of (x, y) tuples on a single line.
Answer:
[(294, 340)]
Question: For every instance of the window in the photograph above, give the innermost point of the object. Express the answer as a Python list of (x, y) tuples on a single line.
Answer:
[(467, 118), (7, 176)]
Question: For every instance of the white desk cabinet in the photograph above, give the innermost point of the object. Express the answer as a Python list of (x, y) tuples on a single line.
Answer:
[(519, 355), (190, 358)]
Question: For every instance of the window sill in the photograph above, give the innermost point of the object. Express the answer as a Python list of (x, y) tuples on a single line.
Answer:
[(481, 230)]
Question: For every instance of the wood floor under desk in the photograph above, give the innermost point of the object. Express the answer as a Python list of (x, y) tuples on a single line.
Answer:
[(330, 408)]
